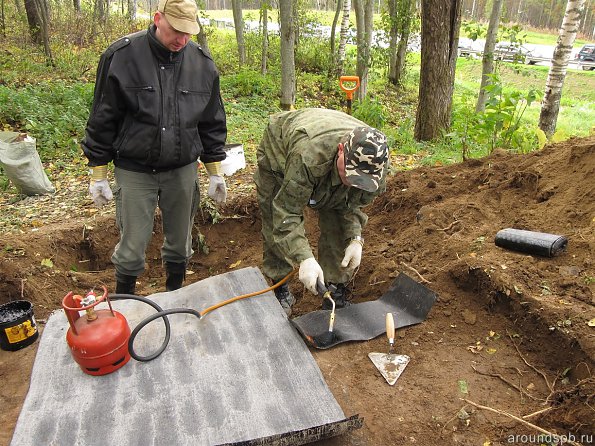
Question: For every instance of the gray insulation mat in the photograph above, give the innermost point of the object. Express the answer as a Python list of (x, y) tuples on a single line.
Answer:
[(408, 301), (241, 374)]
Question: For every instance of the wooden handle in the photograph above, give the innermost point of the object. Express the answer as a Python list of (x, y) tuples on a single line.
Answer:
[(390, 327)]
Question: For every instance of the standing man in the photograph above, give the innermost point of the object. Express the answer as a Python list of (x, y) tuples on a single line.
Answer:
[(157, 108), (333, 163)]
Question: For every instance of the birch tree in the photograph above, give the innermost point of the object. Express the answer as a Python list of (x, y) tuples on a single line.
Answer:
[(555, 79), (440, 23), (343, 9), (487, 61)]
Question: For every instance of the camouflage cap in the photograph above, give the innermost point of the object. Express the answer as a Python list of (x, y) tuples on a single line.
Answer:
[(366, 157)]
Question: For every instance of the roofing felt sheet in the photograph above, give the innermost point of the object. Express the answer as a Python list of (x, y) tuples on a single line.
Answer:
[(240, 373)]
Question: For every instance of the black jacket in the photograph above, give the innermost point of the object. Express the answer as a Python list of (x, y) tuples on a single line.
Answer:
[(155, 110)]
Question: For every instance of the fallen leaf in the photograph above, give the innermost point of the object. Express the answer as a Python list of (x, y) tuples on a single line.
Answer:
[(235, 264), (463, 388), (491, 351), (48, 263), (475, 348), (591, 323)]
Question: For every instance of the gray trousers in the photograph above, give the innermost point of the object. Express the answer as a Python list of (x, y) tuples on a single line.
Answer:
[(331, 243), (137, 196)]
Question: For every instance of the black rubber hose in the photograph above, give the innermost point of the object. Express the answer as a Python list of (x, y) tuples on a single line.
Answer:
[(161, 313)]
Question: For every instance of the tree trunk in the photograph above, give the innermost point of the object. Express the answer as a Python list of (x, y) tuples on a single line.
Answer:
[(441, 20), (487, 61), (264, 12), (555, 79), (76, 4), (101, 10), (393, 15), (201, 37), (42, 7), (3, 23), (288, 33), (34, 20), (402, 48), (132, 11), (333, 38), (238, 22), (343, 35), (364, 16), (402, 22)]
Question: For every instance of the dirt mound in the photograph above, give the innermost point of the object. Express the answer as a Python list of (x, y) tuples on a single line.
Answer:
[(510, 331)]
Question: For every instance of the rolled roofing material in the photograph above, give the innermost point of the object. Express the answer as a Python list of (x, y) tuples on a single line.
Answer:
[(241, 374), (530, 242), (408, 301)]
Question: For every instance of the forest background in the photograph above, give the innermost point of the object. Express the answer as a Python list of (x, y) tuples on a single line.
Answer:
[(46, 85)]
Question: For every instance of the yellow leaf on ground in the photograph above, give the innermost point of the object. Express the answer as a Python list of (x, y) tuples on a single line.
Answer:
[(233, 265)]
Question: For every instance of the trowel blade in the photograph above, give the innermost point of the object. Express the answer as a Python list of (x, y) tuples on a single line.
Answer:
[(391, 366)]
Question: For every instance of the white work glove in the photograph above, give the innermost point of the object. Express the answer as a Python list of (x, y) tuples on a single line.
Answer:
[(353, 255), (217, 188), (311, 273), (99, 187)]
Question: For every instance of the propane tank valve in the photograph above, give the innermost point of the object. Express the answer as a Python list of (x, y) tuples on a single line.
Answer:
[(89, 299)]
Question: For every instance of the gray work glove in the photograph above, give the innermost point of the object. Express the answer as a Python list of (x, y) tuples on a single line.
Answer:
[(99, 187), (310, 274)]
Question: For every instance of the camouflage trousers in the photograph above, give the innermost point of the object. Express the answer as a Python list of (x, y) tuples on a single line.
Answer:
[(331, 242)]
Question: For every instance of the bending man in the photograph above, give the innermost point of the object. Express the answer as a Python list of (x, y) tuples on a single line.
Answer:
[(333, 163)]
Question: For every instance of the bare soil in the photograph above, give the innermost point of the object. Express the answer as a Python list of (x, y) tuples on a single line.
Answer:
[(511, 331)]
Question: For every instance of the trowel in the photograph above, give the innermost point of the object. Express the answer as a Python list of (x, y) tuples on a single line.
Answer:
[(390, 365)]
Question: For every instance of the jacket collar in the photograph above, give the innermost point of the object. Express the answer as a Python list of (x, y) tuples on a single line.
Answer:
[(162, 54)]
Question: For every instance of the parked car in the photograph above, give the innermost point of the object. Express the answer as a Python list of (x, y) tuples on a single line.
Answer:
[(469, 48), (465, 48), (586, 57), (514, 52)]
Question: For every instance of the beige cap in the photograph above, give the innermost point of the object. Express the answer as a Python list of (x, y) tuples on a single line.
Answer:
[(181, 15)]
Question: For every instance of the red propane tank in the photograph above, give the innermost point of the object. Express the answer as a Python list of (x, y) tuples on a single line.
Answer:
[(98, 341)]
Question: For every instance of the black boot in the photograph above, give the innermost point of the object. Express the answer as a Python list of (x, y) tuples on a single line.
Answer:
[(285, 298), (175, 275), (340, 294), (125, 284)]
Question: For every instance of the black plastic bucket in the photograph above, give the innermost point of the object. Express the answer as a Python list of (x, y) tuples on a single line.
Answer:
[(17, 325)]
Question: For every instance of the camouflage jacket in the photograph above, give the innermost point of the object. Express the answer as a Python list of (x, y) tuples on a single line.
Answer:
[(300, 149)]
